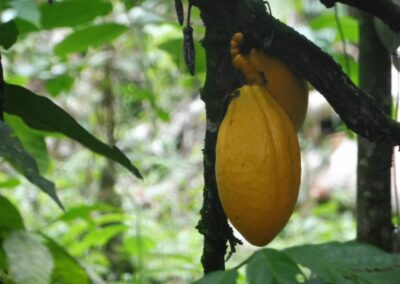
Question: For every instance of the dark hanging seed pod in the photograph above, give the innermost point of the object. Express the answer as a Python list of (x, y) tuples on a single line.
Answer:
[(188, 49), (179, 11)]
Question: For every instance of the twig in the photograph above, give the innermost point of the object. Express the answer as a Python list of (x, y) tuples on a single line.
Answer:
[(1, 91), (386, 10)]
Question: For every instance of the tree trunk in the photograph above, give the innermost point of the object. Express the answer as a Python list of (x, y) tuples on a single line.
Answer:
[(374, 159), (118, 261)]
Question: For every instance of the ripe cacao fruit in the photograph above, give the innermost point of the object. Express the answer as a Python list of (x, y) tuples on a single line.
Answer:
[(290, 91), (257, 160)]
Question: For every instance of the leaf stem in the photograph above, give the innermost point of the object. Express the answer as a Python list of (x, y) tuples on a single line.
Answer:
[(1, 91)]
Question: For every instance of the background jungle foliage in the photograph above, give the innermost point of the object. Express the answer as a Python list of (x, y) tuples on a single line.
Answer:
[(112, 73)]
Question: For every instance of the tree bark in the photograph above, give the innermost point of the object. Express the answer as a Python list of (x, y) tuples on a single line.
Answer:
[(222, 19), (374, 159)]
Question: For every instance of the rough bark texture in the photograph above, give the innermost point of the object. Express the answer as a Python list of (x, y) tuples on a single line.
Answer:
[(222, 19), (213, 224), (387, 10), (374, 159)]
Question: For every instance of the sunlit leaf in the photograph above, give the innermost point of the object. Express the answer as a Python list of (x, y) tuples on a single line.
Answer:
[(8, 34), (12, 150), (72, 12), (85, 211), (66, 270), (219, 277), (29, 261), (269, 266), (97, 237), (41, 113), (348, 262), (10, 218), (32, 141), (27, 10), (89, 37)]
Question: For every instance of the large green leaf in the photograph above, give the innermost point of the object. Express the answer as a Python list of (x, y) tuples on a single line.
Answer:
[(348, 263), (72, 12), (27, 10), (66, 270), (8, 34), (32, 141), (29, 261), (41, 113), (219, 277), (269, 266), (12, 150), (89, 37), (10, 219)]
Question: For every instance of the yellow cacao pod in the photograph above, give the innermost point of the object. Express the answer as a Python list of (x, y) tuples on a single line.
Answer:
[(289, 90), (257, 165)]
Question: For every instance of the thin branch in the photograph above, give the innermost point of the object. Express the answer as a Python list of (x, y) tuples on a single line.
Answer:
[(358, 110), (387, 10)]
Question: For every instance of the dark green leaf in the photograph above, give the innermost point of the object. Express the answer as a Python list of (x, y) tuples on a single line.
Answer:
[(10, 219), (41, 113), (269, 266), (219, 277), (89, 37), (29, 261), (66, 270), (32, 141), (25, 27), (8, 34), (348, 263), (73, 12), (58, 84), (27, 10), (12, 150)]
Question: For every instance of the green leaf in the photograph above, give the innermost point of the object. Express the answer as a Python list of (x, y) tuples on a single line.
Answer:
[(12, 150), (29, 261), (219, 277), (97, 237), (85, 211), (348, 24), (66, 270), (27, 10), (58, 84), (72, 13), (348, 263), (89, 37), (9, 183), (8, 34), (269, 266), (10, 219), (32, 141), (41, 113), (25, 27)]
